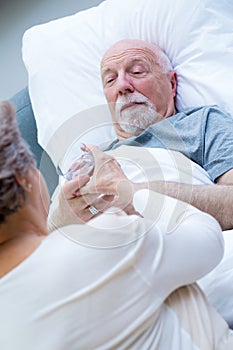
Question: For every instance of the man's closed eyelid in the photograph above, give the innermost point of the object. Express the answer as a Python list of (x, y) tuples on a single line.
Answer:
[(139, 69), (108, 75), (139, 72), (109, 81)]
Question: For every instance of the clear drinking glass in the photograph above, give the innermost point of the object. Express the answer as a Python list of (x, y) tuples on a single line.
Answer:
[(84, 164)]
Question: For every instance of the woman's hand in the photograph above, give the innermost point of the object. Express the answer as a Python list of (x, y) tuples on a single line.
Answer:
[(108, 185), (67, 208)]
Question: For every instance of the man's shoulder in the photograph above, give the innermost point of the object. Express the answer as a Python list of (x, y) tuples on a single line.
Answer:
[(202, 110), (201, 114)]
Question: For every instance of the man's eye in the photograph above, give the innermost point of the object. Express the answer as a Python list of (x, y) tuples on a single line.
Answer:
[(138, 72), (109, 80)]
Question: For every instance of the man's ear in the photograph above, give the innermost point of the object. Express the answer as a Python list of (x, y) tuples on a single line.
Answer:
[(173, 80), (23, 182)]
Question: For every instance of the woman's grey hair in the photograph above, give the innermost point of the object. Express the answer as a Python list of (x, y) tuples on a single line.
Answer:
[(15, 158)]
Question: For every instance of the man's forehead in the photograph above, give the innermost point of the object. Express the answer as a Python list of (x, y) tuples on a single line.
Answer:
[(127, 56)]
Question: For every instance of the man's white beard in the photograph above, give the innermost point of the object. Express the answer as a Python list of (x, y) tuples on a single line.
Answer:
[(137, 118)]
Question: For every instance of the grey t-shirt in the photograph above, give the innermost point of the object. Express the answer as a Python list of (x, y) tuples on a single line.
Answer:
[(203, 134)]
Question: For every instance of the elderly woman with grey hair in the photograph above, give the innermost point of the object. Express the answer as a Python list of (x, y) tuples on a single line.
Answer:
[(23, 214), (121, 282)]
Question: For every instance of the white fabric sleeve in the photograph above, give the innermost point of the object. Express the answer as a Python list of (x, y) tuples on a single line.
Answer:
[(192, 242)]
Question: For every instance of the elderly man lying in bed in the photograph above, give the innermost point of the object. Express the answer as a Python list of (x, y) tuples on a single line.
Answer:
[(140, 86)]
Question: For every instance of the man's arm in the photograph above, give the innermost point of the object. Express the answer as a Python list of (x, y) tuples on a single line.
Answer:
[(226, 178), (216, 200)]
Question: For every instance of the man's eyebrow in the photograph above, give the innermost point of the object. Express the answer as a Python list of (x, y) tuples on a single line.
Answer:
[(105, 71), (138, 60)]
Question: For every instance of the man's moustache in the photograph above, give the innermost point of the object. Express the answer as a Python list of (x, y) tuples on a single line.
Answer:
[(130, 104)]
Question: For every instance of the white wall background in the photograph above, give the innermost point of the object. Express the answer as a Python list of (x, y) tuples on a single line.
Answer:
[(15, 17)]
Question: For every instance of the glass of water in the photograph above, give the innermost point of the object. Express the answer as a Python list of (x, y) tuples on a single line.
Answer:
[(84, 164)]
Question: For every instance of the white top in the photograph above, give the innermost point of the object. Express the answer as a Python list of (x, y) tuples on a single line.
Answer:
[(89, 288)]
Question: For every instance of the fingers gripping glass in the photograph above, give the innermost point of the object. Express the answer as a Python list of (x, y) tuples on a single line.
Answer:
[(81, 165)]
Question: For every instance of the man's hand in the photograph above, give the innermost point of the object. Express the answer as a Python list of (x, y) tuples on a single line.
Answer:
[(108, 186)]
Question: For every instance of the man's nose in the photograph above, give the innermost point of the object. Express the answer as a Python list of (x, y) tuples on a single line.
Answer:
[(124, 85)]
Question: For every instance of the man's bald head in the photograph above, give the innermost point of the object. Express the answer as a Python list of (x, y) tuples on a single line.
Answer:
[(126, 44)]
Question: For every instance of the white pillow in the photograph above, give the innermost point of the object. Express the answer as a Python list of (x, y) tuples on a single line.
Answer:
[(63, 56)]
